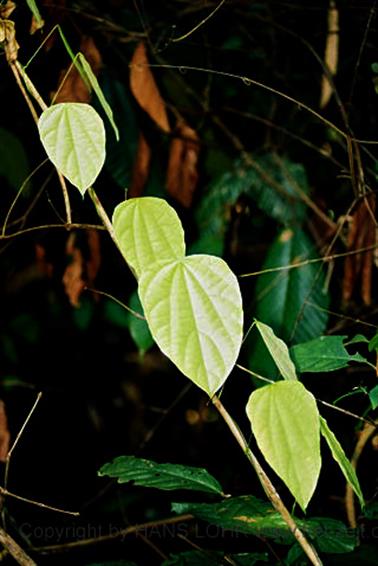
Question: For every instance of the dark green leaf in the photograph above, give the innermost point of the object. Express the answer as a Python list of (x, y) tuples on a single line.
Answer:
[(373, 396), (139, 330), (326, 353), (162, 476), (212, 558), (249, 515), (373, 344), (14, 166)]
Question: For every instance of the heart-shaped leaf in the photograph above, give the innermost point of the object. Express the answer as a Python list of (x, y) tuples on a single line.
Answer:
[(73, 136), (285, 422), (148, 230), (278, 350), (194, 310)]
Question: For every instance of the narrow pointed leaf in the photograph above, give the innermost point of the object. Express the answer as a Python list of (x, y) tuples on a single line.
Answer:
[(148, 230), (340, 457), (162, 476), (86, 69), (285, 422), (278, 350), (194, 310), (73, 136)]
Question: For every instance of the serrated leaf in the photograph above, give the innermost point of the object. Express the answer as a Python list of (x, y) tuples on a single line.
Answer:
[(340, 457), (249, 515), (148, 231), (161, 476), (373, 396), (86, 69), (285, 423), (73, 136), (194, 310), (326, 353), (278, 350)]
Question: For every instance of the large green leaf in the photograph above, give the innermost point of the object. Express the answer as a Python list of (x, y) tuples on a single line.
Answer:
[(278, 350), (292, 302), (285, 423), (194, 310), (326, 353), (340, 457), (148, 231), (249, 515), (161, 476), (73, 136)]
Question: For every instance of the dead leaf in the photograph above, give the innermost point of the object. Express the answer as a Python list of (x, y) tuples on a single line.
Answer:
[(7, 9), (74, 88), (145, 89), (8, 39), (182, 174), (36, 25), (358, 267), (43, 265), (331, 55), (73, 276), (141, 168), (4, 433), (81, 272)]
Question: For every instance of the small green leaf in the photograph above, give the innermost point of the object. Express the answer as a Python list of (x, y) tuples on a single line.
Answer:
[(373, 344), (92, 79), (148, 230), (73, 136), (194, 310), (285, 423), (139, 330), (373, 396), (161, 476), (340, 457), (326, 353), (278, 350)]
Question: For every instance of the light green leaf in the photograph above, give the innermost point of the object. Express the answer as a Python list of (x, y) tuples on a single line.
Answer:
[(285, 422), (373, 396), (35, 11), (194, 310), (326, 353), (340, 457), (161, 476), (73, 136), (92, 79), (278, 350), (148, 231)]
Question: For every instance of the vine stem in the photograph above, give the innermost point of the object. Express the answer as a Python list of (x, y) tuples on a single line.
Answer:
[(15, 550), (267, 485)]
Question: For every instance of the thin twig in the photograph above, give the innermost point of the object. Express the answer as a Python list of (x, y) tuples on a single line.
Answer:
[(267, 485), (4, 492), (74, 225), (15, 550)]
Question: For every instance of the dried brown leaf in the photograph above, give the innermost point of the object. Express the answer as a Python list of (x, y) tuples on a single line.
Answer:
[(43, 265), (145, 89), (8, 39), (4, 433), (141, 167), (74, 88), (358, 267), (36, 25), (331, 55), (182, 174), (73, 276), (94, 261), (7, 9)]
